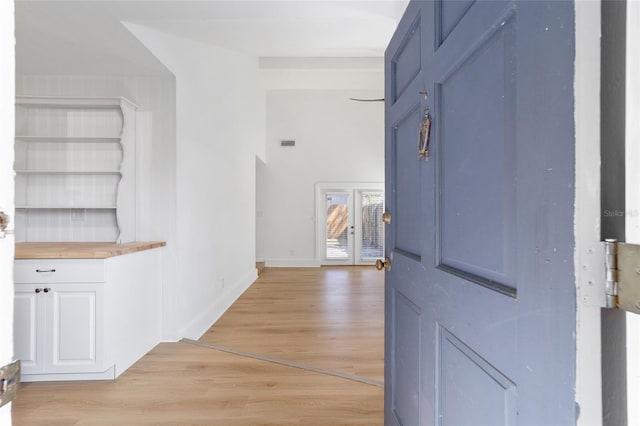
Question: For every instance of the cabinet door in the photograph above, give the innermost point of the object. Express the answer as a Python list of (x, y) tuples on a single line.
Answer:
[(75, 328), (29, 327)]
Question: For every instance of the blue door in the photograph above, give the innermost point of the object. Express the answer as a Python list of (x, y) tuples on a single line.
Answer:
[(480, 295)]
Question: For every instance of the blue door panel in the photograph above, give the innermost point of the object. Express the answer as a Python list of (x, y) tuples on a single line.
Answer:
[(480, 298), (407, 179), (406, 60), (476, 179), (448, 14), (405, 363), (472, 391)]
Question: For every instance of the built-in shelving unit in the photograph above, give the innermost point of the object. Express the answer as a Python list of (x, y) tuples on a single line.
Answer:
[(68, 172), (61, 206), (66, 139), (75, 169)]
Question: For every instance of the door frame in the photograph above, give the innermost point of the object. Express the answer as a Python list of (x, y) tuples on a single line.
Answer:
[(7, 186), (321, 188), (589, 268), (589, 251)]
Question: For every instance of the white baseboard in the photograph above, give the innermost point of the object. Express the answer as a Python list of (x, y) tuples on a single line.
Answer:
[(292, 263), (202, 323), (109, 374)]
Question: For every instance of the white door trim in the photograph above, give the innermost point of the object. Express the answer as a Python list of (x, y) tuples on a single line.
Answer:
[(632, 197), (7, 132), (588, 263)]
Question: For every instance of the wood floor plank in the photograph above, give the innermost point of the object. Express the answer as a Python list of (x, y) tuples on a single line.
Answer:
[(282, 313), (328, 317)]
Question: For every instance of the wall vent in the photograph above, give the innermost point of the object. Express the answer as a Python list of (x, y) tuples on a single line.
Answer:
[(288, 143)]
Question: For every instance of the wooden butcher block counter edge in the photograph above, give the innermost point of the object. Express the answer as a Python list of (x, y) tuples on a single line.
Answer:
[(80, 250)]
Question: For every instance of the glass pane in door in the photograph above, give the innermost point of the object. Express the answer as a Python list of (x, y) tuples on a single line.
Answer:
[(372, 236), (337, 226)]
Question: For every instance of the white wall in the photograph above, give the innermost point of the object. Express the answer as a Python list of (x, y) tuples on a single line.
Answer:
[(220, 124), (337, 140)]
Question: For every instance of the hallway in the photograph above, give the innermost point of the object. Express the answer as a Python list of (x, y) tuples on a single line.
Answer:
[(301, 346)]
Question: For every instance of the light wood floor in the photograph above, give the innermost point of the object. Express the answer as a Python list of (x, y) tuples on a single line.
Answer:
[(329, 318)]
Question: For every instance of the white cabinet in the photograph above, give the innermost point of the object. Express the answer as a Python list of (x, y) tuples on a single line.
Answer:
[(59, 328), (74, 328), (75, 169), (86, 319), (29, 324)]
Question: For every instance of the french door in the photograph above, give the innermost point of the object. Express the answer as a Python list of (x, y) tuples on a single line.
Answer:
[(350, 229)]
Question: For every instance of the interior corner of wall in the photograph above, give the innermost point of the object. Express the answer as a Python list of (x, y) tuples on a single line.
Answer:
[(149, 37), (199, 324)]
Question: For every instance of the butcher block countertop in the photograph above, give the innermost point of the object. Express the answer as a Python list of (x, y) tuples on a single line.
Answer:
[(81, 250)]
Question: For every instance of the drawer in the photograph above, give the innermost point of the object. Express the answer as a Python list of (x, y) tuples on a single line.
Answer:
[(59, 271)]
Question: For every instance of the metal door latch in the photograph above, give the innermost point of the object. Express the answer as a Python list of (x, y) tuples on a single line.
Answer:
[(622, 263), (9, 380), (423, 135), (386, 217)]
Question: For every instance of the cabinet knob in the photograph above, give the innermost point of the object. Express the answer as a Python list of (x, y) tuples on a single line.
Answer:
[(38, 290), (47, 289)]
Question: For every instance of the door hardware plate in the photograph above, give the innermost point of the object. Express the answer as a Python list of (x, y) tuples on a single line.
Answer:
[(9, 380), (622, 280), (4, 222), (629, 277), (423, 135)]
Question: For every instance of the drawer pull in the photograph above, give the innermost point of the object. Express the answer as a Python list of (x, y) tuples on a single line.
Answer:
[(45, 270)]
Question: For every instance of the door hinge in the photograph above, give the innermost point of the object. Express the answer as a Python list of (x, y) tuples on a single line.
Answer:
[(9, 380), (622, 285)]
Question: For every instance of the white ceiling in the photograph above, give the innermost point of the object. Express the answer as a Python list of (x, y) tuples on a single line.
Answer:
[(87, 36)]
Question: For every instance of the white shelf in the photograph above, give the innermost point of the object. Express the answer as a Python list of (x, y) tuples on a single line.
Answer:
[(69, 172), (74, 102), (60, 168), (68, 139), (58, 207)]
